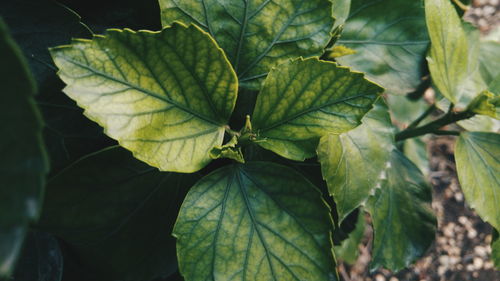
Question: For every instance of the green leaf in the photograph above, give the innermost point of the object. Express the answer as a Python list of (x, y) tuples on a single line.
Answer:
[(37, 25), (366, 148), (24, 163), (340, 11), (257, 35), (166, 96), (495, 250), (404, 110), (118, 224), (390, 40), (480, 123), (487, 104), (454, 52), (478, 166), (416, 151), (229, 150), (257, 221), (41, 259), (348, 251), (488, 64), (402, 218), (303, 100)]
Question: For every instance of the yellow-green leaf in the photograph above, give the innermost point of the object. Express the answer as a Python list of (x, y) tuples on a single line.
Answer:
[(256, 221), (166, 96), (486, 103), (453, 58), (23, 163), (366, 148), (303, 100), (259, 34), (478, 167)]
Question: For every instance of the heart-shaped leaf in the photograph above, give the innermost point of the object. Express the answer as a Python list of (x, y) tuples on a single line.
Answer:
[(402, 217), (118, 217), (166, 96), (478, 167), (390, 40), (24, 163), (366, 148), (257, 35), (257, 221), (303, 100)]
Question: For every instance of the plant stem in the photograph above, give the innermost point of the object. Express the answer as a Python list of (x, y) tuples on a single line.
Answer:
[(461, 5), (434, 126), (422, 117)]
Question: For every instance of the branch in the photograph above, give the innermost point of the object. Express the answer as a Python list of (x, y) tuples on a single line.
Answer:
[(435, 126)]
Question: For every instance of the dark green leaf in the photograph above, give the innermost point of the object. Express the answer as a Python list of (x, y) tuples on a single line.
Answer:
[(303, 100), (352, 163), (348, 251), (495, 253), (257, 35), (116, 214), (257, 221), (24, 163), (390, 40), (40, 260), (478, 167), (37, 25), (402, 218), (166, 96)]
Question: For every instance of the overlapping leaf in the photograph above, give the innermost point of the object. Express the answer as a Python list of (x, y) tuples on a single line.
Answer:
[(402, 218), (257, 35), (390, 40), (348, 250), (454, 54), (37, 25), (478, 167), (118, 217), (41, 259), (23, 164), (166, 96), (303, 100), (352, 163), (257, 221)]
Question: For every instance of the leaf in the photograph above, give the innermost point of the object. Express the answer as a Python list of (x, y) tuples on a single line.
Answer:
[(303, 100), (404, 110), (340, 11), (402, 218), (118, 224), (486, 103), (348, 251), (390, 40), (41, 259), (366, 148), (488, 64), (478, 166), (257, 221), (480, 123), (229, 150), (415, 149), (24, 163), (37, 25), (453, 56), (166, 96), (495, 250), (257, 35)]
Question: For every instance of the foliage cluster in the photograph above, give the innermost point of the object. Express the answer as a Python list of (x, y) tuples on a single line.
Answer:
[(240, 140)]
